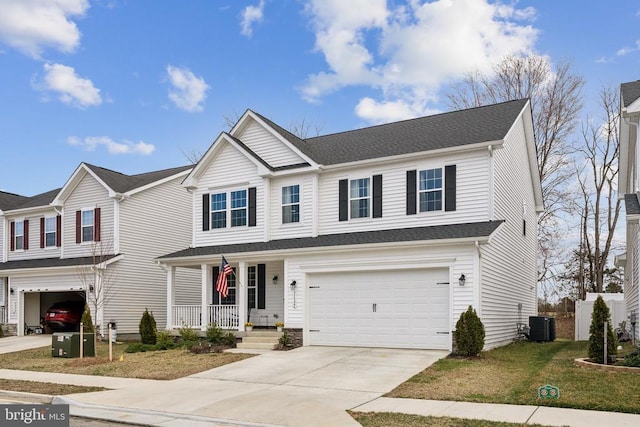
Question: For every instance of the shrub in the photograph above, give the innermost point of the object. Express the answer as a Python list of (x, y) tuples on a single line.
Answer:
[(214, 334), (188, 335), (600, 315), (633, 359), (147, 328), (164, 340), (87, 324), (469, 333), (284, 341), (229, 339), (139, 347), (1, 330)]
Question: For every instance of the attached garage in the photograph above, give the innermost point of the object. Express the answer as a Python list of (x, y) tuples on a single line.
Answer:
[(394, 309)]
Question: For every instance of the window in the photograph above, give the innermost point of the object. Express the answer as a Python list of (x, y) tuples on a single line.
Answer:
[(19, 235), (230, 299), (50, 232), (290, 204), (252, 288), (238, 208), (430, 190), (359, 196), (87, 225), (219, 210)]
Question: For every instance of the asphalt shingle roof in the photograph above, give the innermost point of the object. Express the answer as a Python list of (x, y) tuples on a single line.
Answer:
[(40, 199), (122, 183), (439, 232), (51, 262), (629, 92), (9, 201), (453, 129), (631, 204)]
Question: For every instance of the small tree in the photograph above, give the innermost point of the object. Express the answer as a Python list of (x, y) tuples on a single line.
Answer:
[(147, 328), (469, 333), (87, 323), (600, 315)]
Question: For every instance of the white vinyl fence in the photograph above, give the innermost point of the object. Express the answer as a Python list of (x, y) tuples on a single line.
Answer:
[(583, 315)]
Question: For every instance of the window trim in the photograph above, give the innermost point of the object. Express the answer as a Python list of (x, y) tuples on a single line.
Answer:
[(54, 219), (228, 210), (83, 226), (252, 283), (284, 204), (16, 235), (369, 197), (245, 208), (440, 189), (212, 211)]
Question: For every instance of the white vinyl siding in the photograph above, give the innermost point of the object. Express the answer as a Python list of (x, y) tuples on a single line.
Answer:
[(632, 274), (473, 195), (34, 251), (88, 194), (267, 146), (303, 228), (509, 262), (152, 223), (229, 171)]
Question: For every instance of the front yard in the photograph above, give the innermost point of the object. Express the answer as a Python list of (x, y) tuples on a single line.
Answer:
[(512, 375)]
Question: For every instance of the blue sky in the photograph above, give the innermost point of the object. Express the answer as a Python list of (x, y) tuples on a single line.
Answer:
[(132, 85)]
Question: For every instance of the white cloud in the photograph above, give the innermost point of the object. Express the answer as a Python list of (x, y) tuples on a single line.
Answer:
[(408, 52), (627, 50), (189, 92), (30, 26), (72, 89), (91, 143), (250, 16)]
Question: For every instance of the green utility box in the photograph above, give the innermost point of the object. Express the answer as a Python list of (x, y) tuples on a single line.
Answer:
[(67, 344)]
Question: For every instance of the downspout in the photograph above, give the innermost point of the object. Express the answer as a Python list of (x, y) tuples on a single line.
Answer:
[(630, 123), (476, 272)]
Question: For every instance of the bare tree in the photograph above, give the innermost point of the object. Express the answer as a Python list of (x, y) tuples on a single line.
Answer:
[(303, 127), (556, 101), (98, 280), (597, 174)]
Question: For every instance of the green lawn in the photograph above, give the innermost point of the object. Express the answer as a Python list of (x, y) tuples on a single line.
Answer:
[(385, 419), (512, 375)]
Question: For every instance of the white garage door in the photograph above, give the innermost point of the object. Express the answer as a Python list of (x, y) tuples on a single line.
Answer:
[(396, 309)]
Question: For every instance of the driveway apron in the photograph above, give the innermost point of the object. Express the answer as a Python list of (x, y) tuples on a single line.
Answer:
[(310, 386)]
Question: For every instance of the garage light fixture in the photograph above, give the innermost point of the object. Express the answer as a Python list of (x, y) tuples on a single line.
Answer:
[(293, 284), (274, 280), (462, 280), (12, 291), (91, 288)]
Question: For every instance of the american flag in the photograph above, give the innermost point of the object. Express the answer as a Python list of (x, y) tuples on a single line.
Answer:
[(221, 283)]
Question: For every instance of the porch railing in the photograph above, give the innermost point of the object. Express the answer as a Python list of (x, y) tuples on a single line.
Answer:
[(3, 314), (187, 316), (225, 316)]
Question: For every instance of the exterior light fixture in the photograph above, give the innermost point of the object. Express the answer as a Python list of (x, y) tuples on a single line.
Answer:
[(274, 280), (293, 284), (462, 280)]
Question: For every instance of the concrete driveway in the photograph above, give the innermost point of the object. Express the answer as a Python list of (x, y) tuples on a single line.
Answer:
[(11, 344), (308, 386)]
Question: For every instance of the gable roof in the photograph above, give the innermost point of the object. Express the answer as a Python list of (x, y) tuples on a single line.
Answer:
[(476, 231), (629, 92), (39, 200), (446, 130), (9, 201)]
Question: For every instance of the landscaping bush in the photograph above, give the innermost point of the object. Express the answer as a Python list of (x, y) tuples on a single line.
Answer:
[(147, 328), (284, 341), (600, 315), (87, 324), (165, 341), (1, 330), (469, 333), (139, 347), (189, 335), (214, 334), (633, 359), (229, 339)]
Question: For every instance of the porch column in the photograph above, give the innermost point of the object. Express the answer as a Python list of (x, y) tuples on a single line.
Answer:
[(204, 315), (171, 279), (242, 294)]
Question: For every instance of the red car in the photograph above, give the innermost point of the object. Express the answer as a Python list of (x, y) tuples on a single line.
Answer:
[(64, 316)]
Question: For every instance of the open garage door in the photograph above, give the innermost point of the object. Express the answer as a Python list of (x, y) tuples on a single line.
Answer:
[(395, 309)]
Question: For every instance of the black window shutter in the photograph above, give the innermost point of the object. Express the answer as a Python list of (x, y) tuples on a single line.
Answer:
[(216, 294), (205, 212), (450, 188), (96, 224), (25, 239), (41, 232), (262, 281), (59, 231), (343, 200), (78, 226), (252, 206), (377, 196), (411, 192)]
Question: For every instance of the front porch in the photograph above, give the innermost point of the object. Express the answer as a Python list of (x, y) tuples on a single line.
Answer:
[(256, 294)]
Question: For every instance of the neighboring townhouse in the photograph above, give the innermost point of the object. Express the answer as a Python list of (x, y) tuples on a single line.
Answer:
[(94, 239), (629, 187), (8, 201), (376, 237)]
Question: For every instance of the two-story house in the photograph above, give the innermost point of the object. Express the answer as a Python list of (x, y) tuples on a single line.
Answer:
[(94, 239), (629, 187), (373, 237)]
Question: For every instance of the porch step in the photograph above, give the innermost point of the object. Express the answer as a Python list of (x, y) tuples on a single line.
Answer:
[(256, 345), (260, 340)]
